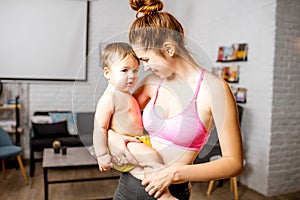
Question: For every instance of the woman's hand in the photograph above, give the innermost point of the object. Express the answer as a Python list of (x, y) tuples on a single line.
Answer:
[(159, 180), (118, 148)]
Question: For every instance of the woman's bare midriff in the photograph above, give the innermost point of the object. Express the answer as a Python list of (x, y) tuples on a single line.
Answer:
[(170, 155)]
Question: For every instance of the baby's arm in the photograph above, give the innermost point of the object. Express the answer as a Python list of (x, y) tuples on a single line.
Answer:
[(103, 115)]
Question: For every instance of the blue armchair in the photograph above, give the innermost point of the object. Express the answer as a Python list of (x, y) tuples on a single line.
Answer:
[(7, 150)]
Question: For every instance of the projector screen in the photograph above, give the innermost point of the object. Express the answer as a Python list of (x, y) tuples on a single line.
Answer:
[(43, 40)]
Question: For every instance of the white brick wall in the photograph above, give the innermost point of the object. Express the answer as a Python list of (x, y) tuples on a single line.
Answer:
[(284, 163), (270, 124)]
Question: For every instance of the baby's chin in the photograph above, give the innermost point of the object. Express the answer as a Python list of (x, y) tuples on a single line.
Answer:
[(128, 88)]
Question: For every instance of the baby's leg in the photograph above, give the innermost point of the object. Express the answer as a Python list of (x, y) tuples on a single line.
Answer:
[(145, 154)]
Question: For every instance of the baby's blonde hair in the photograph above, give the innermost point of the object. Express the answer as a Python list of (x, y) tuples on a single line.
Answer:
[(116, 51)]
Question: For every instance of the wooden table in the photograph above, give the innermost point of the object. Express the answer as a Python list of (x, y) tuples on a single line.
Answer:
[(76, 157)]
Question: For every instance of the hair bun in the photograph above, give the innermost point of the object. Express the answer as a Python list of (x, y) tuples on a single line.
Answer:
[(146, 6)]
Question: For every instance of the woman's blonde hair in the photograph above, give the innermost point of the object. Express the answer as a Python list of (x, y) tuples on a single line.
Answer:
[(116, 51), (155, 26)]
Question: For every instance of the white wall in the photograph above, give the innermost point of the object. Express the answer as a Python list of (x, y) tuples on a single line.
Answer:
[(210, 24)]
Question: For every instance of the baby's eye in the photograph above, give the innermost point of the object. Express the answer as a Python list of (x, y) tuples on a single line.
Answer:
[(136, 71), (124, 70)]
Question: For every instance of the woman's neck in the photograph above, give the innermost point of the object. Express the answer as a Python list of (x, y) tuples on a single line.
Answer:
[(185, 68)]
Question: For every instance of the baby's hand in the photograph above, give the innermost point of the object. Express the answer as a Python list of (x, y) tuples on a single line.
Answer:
[(104, 163)]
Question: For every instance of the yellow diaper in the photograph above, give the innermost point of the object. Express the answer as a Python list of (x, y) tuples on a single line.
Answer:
[(145, 139), (126, 168)]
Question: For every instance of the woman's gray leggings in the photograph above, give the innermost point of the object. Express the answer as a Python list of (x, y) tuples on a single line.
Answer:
[(131, 188)]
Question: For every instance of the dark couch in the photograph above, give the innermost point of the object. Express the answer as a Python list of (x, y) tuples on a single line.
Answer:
[(43, 134)]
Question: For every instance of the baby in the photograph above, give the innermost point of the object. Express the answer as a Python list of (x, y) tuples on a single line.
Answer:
[(118, 110)]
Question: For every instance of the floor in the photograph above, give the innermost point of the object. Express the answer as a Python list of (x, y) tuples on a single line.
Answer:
[(14, 188)]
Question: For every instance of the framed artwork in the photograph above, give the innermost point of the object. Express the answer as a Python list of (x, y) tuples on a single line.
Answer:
[(231, 73), (242, 52), (234, 52), (240, 95)]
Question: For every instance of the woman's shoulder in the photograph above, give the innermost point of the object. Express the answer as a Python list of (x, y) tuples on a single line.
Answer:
[(212, 80), (216, 86)]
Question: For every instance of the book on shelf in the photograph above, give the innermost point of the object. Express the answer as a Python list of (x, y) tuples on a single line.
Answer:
[(6, 105)]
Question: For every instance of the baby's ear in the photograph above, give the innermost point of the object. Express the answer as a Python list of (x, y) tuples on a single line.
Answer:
[(106, 72)]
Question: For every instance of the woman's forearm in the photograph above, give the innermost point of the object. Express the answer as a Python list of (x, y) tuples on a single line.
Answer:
[(214, 170)]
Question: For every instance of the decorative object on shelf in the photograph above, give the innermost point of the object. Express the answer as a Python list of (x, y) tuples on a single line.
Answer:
[(56, 146), (229, 73), (234, 52), (64, 150), (240, 94)]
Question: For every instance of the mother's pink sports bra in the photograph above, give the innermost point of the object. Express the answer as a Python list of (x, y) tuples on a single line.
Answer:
[(184, 130)]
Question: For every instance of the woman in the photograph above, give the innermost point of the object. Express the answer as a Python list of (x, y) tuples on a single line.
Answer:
[(182, 103)]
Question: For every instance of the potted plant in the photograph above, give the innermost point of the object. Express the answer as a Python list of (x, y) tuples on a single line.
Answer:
[(56, 146)]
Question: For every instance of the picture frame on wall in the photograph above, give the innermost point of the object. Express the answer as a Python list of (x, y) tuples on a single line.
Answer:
[(242, 52), (231, 73), (241, 95), (234, 52)]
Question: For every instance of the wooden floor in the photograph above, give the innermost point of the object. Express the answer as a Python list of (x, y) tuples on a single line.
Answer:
[(14, 188)]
